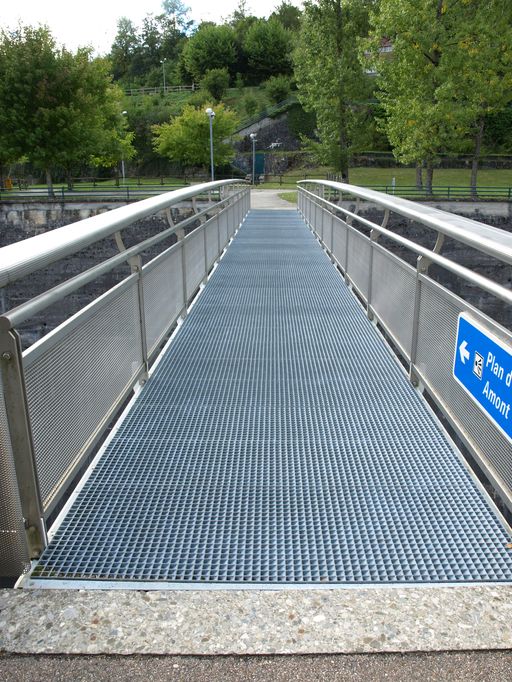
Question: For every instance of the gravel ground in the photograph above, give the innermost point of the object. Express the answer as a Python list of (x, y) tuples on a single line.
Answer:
[(484, 666)]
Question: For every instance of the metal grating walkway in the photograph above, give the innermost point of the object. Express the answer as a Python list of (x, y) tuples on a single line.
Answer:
[(279, 441)]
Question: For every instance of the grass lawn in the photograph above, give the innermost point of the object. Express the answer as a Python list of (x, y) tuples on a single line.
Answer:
[(289, 196), (368, 177), (364, 177), (109, 183), (236, 100), (442, 176)]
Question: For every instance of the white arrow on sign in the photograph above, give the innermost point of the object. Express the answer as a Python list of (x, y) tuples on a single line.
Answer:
[(464, 353)]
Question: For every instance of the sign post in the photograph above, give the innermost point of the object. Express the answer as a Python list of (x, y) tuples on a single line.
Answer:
[(483, 367)]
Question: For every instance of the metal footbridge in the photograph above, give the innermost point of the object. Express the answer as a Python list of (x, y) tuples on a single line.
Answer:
[(287, 426)]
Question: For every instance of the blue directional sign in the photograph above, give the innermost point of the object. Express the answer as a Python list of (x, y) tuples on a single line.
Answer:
[(483, 367)]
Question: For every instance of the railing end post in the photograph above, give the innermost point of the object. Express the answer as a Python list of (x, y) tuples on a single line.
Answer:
[(21, 442)]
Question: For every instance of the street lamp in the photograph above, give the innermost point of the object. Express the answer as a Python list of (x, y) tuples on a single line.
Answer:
[(162, 62), (253, 138), (123, 113), (211, 115)]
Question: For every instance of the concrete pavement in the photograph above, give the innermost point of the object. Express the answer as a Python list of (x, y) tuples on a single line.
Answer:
[(269, 199)]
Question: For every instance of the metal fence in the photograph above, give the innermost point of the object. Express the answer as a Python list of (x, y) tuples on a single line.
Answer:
[(97, 190), (164, 90), (137, 189), (418, 314), (58, 397), (98, 193), (449, 192)]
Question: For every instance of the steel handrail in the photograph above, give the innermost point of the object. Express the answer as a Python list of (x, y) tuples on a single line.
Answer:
[(23, 258), (490, 240), (484, 283), (16, 316)]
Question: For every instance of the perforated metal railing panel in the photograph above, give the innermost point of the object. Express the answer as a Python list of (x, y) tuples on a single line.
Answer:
[(279, 441)]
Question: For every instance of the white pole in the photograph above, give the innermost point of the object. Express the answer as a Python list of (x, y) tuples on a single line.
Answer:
[(253, 138)]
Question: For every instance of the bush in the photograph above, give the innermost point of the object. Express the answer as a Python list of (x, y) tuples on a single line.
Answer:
[(277, 88), (239, 82), (250, 105), (215, 82), (198, 98)]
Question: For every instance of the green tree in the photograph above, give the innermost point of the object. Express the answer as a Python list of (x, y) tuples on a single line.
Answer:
[(124, 49), (211, 47), (137, 54), (115, 140), (268, 46), (483, 70), (498, 132), (330, 78), (288, 15), (241, 21), (143, 114), (277, 88), (450, 67), (186, 138), (58, 108), (215, 82)]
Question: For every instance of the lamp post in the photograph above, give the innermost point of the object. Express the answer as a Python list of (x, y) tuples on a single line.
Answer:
[(124, 113), (253, 138), (162, 62), (211, 115)]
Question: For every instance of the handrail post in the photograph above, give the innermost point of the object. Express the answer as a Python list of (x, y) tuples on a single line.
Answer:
[(420, 268), (422, 265), (180, 236), (218, 235), (205, 247), (374, 235), (136, 266), (20, 433)]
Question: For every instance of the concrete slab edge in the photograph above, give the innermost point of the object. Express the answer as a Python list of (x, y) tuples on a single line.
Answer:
[(358, 620)]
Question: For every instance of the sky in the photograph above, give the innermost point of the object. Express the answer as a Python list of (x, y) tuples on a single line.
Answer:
[(93, 22)]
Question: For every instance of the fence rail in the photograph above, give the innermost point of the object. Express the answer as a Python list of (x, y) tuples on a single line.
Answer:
[(443, 191), (160, 90), (137, 189), (126, 192), (448, 192), (58, 397), (98, 189), (418, 313)]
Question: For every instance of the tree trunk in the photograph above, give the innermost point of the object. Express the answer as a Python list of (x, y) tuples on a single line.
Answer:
[(49, 182), (69, 180), (476, 157), (429, 177), (342, 131), (419, 175)]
